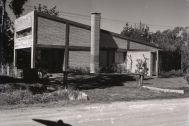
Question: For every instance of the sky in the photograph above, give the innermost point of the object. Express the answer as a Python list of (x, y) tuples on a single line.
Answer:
[(157, 14)]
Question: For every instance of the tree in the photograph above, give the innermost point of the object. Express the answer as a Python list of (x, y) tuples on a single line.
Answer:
[(44, 9), (141, 32), (8, 40), (2, 18), (7, 34), (175, 40), (17, 7)]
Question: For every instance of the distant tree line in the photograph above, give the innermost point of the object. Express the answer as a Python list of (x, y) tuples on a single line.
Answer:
[(170, 40)]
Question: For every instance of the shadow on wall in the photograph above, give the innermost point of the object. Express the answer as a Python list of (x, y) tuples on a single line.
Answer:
[(107, 41)]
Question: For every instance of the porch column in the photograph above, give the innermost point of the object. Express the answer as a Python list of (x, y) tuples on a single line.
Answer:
[(66, 52), (32, 57), (65, 63), (157, 63), (15, 58)]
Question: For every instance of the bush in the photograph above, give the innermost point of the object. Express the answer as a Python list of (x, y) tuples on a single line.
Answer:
[(109, 69), (170, 74), (142, 66), (79, 69), (27, 97), (186, 77)]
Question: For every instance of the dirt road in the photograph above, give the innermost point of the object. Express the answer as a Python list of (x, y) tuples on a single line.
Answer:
[(173, 112)]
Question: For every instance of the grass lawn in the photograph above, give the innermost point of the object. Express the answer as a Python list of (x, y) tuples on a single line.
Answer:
[(168, 83), (99, 88), (109, 88)]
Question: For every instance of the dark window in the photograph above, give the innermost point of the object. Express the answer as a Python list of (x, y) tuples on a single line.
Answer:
[(23, 33)]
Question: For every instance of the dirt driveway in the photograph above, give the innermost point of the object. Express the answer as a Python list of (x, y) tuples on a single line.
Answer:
[(139, 113)]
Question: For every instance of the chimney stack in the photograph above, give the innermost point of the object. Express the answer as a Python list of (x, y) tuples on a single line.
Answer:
[(95, 41)]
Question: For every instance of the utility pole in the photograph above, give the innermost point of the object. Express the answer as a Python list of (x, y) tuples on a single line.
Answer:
[(2, 12)]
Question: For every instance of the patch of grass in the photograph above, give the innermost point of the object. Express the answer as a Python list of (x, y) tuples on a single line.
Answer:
[(167, 83), (101, 88), (171, 74), (27, 97)]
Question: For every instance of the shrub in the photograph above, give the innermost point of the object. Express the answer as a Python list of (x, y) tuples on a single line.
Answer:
[(109, 69), (186, 77), (114, 69), (142, 66), (79, 69), (27, 97), (170, 74)]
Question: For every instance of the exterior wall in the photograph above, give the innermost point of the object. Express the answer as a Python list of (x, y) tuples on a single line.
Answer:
[(79, 59), (103, 58), (50, 32), (79, 36), (138, 46), (22, 23), (109, 41), (132, 56)]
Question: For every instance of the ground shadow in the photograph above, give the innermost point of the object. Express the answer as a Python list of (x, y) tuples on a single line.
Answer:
[(75, 81), (92, 81), (7, 79), (36, 87), (51, 123)]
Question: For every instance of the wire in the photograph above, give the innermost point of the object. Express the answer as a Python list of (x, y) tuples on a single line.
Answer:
[(75, 16), (81, 16)]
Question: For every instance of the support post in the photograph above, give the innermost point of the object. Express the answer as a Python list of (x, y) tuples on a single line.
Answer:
[(15, 63), (157, 63), (2, 69), (15, 72), (33, 57), (140, 80), (8, 70), (66, 56)]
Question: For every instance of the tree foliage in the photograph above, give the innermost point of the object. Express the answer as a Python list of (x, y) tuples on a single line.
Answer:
[(172, 40), (8, 40), (17, 7), (44, 9), (140, 31), (8, 29)]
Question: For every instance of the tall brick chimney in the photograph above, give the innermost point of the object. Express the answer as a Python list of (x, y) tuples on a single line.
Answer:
[(95, 41)]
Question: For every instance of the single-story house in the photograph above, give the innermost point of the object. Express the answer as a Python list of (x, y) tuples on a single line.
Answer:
[(61, 43)]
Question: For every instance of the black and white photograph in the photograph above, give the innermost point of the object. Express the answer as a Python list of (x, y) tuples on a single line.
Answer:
[(94, 62)]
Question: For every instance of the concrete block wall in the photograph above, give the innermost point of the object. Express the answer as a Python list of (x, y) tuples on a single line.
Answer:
[(79, 36), (79, 59), (50, 32), (22, 23), (134, 55)]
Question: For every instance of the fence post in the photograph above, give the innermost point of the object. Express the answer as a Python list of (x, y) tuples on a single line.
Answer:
[(8, 70), (15, 72), (2, 70)]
